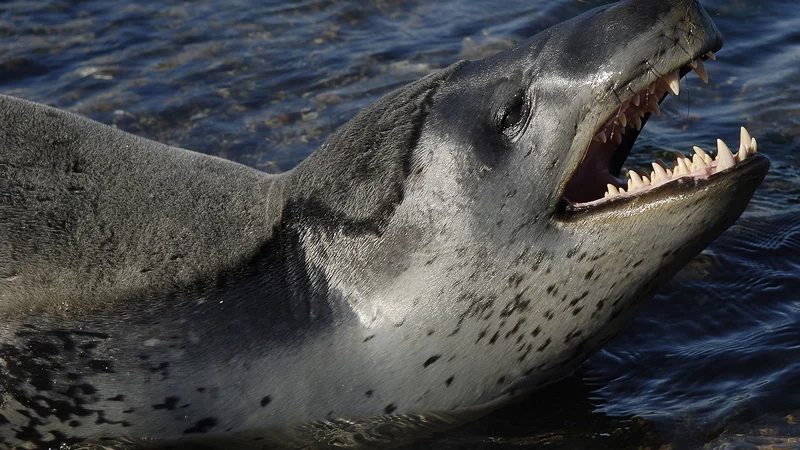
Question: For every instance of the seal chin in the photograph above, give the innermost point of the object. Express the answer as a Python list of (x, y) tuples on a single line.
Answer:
[(594, 184)]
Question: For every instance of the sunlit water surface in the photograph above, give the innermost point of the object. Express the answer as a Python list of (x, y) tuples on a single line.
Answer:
[(714, 360)]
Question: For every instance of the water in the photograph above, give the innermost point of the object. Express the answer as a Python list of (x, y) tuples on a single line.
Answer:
[(713, 361)]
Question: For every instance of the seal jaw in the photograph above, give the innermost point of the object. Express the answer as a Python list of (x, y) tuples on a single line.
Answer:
[(594, 183)]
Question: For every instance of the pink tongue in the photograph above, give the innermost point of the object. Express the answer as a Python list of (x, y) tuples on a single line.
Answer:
[(591, 177)]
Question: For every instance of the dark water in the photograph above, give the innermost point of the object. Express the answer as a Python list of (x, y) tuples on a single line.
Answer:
[(712, 362)]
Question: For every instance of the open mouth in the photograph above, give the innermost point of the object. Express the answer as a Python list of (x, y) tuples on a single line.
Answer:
[(594, 181)]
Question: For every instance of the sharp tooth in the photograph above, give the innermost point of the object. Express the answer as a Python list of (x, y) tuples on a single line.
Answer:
[(680, 167), (700, 68), (753, 146), (724, 156), (659, 173), (699, 151), (744, 143), (621, 190), (683, 163), (622, 120), (637, 122), (712, 56), (651, 89), (612, 189), (669, 173), (706, 158), (698, 162), (673, 82), (742, 154), (687, 166), (636, 100), (676, 171), (618, 137), (601, 136), (744, 138), (646, 180), (635, 178), (606, 194), (653, 104)]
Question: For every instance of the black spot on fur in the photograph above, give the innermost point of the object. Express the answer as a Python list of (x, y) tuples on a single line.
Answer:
[(431, 360), (525, 355), (449, 381), (536, 331), (162, 368), (369, 393), (516, 328), (589, 274), (101, 419), (515, 280), (494, 337), (117, 398), (100, 366), (598, 256), (544, 345), (519, 304), (169, 404), (573, 252), (368, 338), (572, 335), (390, 408), (575, 301), (266, 401), (600, 304), (202, 426)]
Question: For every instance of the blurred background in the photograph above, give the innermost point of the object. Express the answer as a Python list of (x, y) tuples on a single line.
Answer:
[(712, 362)]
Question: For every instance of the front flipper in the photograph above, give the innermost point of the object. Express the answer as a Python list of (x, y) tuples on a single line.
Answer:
[(88, 211)]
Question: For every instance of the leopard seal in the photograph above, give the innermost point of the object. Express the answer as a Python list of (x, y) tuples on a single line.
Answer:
[(462, 241)]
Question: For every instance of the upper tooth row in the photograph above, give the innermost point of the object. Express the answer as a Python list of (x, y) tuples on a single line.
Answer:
[(683, 166), (673, 84)]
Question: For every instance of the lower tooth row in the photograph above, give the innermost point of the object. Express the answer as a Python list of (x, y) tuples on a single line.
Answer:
[(684, 166)]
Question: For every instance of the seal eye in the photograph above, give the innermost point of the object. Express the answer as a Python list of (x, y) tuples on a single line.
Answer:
[(515, 114)]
